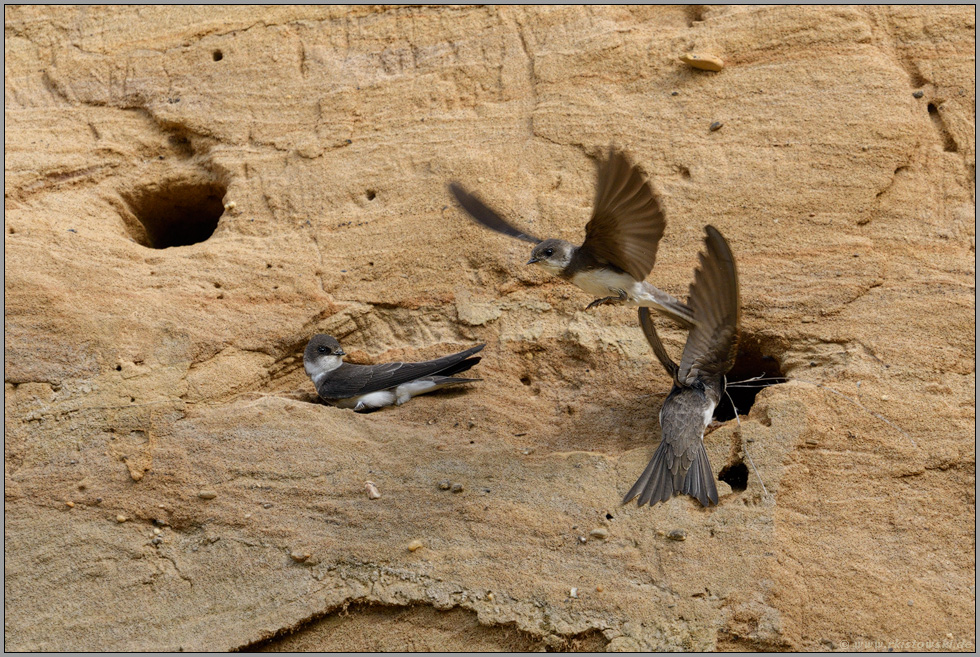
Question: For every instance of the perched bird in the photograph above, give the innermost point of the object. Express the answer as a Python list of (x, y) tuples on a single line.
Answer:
[(620, 244), (680, 463), (370, 387)]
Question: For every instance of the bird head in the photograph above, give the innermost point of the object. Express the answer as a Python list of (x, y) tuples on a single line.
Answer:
[(552, 255), (322, 352)]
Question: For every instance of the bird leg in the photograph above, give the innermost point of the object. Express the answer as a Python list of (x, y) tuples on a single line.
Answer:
[(599, 302)]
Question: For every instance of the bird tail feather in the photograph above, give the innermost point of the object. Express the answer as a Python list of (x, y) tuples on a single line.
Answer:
[(659, 484), (461, 366), (656, 484), (700, 480), (651, 297)]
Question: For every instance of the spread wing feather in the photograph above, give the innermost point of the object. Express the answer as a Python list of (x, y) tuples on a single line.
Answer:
[(650, 331), (627, 220), (714, 297), (485, 216)]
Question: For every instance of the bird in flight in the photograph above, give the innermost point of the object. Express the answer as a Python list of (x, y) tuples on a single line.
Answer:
[(680, 463), (620, 244)]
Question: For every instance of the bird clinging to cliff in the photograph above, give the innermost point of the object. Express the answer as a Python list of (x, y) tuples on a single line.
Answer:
[(680, 462), (620, 244), (370, 387)]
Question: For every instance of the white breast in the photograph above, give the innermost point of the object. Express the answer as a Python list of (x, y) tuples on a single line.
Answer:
[(606, 282), (708, 412)]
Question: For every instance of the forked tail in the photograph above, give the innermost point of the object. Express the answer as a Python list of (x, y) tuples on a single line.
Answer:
[(659, 484), (700, 480)]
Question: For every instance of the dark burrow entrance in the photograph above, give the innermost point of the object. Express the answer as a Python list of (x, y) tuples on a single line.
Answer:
[(175, 213), (751, 362), (735, 475)]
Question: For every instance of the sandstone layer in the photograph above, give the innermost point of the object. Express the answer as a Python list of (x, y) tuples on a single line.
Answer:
[(171, 481)]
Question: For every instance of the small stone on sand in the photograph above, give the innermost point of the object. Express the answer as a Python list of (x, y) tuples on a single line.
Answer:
[(414, 545), (444, 485), (599, 532), (677, 535), (715, 126), (207, 494), (703, 62), (372, 490), (120, 518), (298, 556), (457, 488)]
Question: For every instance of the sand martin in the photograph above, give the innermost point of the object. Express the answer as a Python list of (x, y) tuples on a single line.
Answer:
[(680, 463), (620, 244), (370, 387)]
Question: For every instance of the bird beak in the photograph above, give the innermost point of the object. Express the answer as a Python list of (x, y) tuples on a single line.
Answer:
[(533, 260), (340, 352)]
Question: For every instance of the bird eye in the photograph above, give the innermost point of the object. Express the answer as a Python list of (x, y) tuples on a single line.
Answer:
[(549, 252), (323, 350)]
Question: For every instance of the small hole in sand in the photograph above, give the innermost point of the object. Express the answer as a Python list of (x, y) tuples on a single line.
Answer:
[(175, 213), (735, 475)]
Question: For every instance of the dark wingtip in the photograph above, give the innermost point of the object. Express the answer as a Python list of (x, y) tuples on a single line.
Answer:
[(456, 380), (483, 215), (475, 349)]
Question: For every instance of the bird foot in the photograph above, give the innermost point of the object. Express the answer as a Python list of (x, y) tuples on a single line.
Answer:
[(599, 302)]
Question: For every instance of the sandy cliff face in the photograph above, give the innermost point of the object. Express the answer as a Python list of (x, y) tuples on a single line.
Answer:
[(171, 482)]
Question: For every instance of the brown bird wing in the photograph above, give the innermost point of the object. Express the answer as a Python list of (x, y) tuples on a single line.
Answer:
[(352, 380), (627, 221), (714, 298), (485, 216), (649, 330)]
